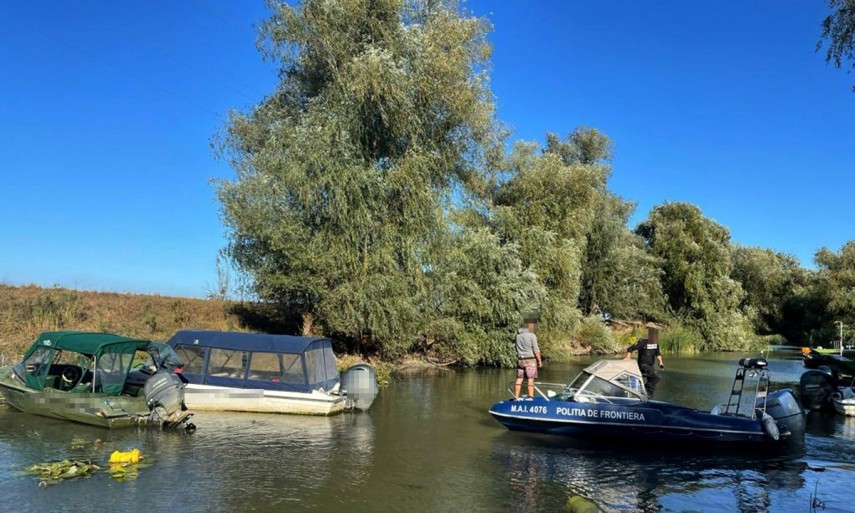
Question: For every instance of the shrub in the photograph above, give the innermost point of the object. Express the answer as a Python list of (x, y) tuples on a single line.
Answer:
[(593, 333), (679, 339)]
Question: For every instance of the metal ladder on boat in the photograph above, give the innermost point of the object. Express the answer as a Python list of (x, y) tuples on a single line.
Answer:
[(761, 389)]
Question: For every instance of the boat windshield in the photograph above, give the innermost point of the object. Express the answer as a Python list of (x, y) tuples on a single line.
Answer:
[(626, 386)]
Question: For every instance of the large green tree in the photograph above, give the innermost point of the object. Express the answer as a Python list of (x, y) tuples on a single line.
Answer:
[(836, 284), (694, 252), (545, 205), (771, 281), (838, 31), (345, 175)]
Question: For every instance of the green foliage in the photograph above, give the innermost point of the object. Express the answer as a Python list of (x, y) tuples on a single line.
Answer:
[(546, 206), (348, 175), (694, 254), (770, 280), (594, 334), (838, 30), (832, 293), (477, 299), (679, 340)]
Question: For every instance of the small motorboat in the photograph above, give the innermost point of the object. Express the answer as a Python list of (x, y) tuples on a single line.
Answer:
[(824, 389), (607, 400), (844, 401), (838, 364), (257, 372), (88, 378)]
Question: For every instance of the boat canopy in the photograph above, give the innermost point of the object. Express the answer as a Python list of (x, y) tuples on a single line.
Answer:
[(612, 378), (256, 360), (83, 342), (110, 356)]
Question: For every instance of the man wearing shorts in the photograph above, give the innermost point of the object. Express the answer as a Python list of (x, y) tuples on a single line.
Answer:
[(528, 358)]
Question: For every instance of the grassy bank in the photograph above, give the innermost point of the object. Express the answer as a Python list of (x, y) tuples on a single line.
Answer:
[(29, 310)]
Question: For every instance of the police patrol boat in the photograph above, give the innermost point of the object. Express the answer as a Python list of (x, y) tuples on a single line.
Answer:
[(607, 400)]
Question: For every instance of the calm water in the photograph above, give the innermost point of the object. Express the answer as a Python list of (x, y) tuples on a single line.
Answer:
[(428, 444)]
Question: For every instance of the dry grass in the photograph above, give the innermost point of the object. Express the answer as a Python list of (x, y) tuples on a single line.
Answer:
[(29, 310)]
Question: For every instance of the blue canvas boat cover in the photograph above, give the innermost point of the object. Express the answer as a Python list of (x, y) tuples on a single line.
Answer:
[(256, 360), (244, 341)]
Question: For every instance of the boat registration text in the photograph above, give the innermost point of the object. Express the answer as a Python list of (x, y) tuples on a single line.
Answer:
[(581, 412)]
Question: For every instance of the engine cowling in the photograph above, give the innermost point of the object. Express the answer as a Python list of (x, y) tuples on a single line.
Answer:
[(164, 395)]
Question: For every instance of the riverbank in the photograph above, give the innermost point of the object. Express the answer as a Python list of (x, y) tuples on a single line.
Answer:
[(26, 311)]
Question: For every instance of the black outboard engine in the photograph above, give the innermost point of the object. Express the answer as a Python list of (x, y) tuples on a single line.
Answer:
[(164, 395), (816, 387), (359, 386)]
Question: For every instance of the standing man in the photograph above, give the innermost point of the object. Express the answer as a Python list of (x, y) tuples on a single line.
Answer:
[(527, 354), (648, 351)]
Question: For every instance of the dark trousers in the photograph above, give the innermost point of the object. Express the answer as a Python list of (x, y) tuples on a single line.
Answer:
[(650, 378)]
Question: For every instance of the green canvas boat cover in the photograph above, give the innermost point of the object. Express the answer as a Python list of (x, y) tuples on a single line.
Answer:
[(88, 343), (113, 355)]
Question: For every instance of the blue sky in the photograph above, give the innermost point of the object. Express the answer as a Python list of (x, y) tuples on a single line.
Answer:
[(109, 108)]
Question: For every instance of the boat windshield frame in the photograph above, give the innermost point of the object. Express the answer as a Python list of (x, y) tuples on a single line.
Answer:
[(591, 385)]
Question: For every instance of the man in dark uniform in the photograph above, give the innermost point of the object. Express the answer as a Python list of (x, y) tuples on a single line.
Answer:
[(648, 352)]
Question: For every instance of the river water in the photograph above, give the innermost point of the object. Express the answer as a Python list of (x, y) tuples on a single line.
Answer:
[(428, 444)]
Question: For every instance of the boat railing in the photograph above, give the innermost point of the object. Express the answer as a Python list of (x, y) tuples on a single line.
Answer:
[(545, 390)]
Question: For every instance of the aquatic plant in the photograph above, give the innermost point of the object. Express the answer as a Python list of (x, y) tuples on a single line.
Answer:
[(52, 473)]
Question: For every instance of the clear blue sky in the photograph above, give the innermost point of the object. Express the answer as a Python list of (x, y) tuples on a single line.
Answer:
[(108, 110)]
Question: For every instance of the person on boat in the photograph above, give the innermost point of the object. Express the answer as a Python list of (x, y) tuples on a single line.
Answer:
[(648, 353), (528, 357)]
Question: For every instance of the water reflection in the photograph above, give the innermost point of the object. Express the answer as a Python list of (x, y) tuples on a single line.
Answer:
[(235, 462), (644, 479), (428, 444)]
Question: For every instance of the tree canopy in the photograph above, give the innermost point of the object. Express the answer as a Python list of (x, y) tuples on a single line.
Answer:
[(374, 198), (838, 31)]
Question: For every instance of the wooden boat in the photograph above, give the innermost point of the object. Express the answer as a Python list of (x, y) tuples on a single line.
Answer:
[(87, 378)]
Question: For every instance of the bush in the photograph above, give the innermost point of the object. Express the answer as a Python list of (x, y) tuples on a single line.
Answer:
[(593, 333), (679, 339)]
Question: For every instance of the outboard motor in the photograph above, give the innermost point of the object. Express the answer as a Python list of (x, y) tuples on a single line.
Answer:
[(816, 387), (782, 406), (359, 386), (164, 395)]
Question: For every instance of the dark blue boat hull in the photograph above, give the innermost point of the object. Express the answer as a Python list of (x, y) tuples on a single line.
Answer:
[(632, 420)]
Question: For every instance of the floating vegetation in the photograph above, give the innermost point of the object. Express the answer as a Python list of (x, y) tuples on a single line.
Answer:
[(52, 473), (123, 466), (124, 471)]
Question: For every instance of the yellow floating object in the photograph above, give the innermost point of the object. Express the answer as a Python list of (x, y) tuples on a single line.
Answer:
[(133, 456), (579, 504)]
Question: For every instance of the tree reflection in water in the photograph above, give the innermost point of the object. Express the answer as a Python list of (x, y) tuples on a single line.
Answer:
[(544, 470)]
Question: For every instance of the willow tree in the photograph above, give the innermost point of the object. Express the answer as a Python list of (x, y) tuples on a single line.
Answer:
[(838, 30), (346, 173), (694, 252), (836, 284), (546, 206), (771, 281)]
